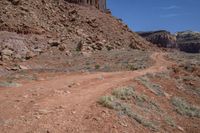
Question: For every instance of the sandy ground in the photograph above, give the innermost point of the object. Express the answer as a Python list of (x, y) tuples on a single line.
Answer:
[(58, 104)]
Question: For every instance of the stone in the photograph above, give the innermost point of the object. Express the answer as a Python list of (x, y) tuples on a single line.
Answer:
[(62, 47), (54, 43), (23, 67), (17, 56), (86, 54), (180, 128), (132, 45), (30, 55), (15, 2), (15, 68), (109, 47), (79, 46), (5, 58), (73, 15), (38, 50), (68, 53), (7, 52)]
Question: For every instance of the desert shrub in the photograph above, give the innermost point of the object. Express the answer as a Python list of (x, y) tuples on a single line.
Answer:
[(107, 101), (170, 121), (97, 66), (184, 108), (155, 88), (9, 84), (125, 93), (113, 103)]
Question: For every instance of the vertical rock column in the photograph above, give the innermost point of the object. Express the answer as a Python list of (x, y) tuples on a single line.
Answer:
[(102, 5)]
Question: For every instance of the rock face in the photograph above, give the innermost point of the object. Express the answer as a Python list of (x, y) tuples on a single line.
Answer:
[(186, 41), (161, 38), (100, 4), (189, 41)]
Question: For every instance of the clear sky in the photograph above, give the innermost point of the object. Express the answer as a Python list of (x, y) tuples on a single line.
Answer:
[(146, 15)]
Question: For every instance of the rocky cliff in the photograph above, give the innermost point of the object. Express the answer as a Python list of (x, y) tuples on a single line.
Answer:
[(188, 41), (160, 38), (99, 4)]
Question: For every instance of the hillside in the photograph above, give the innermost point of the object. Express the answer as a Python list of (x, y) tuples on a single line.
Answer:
[(69, 21), (71, 68), (58, 28)]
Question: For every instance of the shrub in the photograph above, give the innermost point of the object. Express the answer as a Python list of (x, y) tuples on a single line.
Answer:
[(113, 103), (155, 88), (170, 121), (97, 66), (125, 93), (184, 108), (9, 84)]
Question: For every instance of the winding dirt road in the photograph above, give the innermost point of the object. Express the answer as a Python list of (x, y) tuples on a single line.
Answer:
[(59, 104)]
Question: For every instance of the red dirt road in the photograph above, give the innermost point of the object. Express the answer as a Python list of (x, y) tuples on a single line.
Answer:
[(58, 104)]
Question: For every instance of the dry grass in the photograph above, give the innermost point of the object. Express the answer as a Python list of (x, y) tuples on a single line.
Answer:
[(9, 84), (116, 102), (155, 88), (170, 121), (184, 108)]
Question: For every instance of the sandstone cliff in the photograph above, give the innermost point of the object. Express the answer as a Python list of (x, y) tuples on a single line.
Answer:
[(186, 41), (160, 38), (189, 41)]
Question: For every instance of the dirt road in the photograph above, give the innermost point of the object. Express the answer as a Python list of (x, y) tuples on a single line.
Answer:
[(59, 104)]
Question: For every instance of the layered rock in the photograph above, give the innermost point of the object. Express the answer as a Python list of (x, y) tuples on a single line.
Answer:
[(188, 41), (100, 4), (160, 38)]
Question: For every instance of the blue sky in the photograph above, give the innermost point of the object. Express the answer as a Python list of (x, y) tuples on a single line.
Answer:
[(146, 15)]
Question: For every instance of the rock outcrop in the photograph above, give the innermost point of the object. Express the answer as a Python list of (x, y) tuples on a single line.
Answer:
[(160, 38), (99, 4), (189, 41), (186, 41)]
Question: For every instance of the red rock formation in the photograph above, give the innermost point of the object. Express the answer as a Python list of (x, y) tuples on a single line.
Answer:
[(100, 4)]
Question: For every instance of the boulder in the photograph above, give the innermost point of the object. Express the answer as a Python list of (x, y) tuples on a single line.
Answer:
[(6, 54), (79, 46), (62, 47), (30, 55), (54, 43), (15, 2)]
